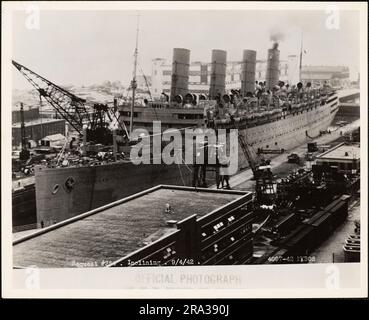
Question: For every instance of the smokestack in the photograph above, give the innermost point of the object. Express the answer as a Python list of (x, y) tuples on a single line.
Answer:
[(180, 67), (248, 71), (272, 73), (218, 72)]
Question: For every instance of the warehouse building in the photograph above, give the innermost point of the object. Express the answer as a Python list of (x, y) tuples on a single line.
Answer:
[(336, 76), (30, 114), (346, 157), (37, 129), (200, 73), (164, 225)]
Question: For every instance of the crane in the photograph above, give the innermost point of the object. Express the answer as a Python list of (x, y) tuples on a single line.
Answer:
[(75, 110), (256, 164)]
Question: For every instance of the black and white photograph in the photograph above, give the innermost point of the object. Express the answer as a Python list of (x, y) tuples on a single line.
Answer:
[(184, 145)]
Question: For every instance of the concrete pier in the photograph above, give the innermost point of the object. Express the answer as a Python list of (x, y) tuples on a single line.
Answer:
[(242, 180)]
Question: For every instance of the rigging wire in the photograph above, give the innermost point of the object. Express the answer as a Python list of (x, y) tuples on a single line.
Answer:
[(180, 173), (148, 88), (146, 82)]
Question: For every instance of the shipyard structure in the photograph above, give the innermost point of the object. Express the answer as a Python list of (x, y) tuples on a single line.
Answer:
[(73, 186), (159, 214)]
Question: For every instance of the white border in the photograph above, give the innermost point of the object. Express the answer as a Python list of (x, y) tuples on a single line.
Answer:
[(58, 279)]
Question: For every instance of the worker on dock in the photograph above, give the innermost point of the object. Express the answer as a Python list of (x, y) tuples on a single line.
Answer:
[(223, 168), (224, 177)]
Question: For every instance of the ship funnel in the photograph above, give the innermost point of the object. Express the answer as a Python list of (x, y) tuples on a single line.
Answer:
[(218, 73), (272, 72), (180, 71), (248, 72)]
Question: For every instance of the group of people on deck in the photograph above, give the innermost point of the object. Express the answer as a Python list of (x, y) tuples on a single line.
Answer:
[(263, 99)]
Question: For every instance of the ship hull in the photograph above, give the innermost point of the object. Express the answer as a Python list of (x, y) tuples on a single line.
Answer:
[(100, 185), (24, 208), (291, 131)]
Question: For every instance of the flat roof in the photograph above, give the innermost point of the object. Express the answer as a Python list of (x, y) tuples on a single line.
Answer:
[(342, 152), (54, 137), (36, 122), (113, 231)]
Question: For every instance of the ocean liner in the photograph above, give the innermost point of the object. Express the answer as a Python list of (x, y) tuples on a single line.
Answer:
[(267, 122)]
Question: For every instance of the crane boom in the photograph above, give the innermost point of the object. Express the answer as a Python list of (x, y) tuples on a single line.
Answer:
[(247, 152), (71, 107), (255, 162), (68, 105)]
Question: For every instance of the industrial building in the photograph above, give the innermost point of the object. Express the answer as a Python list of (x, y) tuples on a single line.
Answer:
[(336, 76), (200, 75), (54, 140), (286, 70), (164, 225), (30, 114), (345, 157), (37, 129)]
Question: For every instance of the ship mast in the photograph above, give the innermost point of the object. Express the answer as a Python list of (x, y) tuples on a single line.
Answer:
[(134, 83), (300, 66)]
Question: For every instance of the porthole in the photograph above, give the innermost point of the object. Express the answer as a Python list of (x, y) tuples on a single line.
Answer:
[(69, 184), (55, 189)]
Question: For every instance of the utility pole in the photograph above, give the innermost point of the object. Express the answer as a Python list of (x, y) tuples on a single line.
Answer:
[(134, 82), (24, 154)]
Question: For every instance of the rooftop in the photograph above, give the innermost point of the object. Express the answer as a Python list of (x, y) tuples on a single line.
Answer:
[(342, 152), (111, 232), (308, 68), (54, 137), (36, 122)]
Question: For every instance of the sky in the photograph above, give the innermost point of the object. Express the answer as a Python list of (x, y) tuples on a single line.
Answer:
[(86, 47)]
